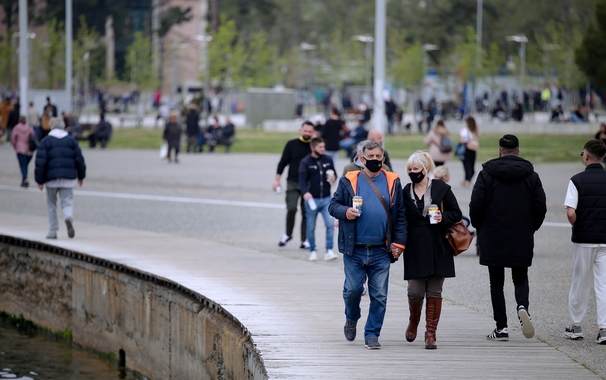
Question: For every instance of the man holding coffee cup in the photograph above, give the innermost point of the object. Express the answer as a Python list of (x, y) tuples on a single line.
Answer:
[(369, 240)]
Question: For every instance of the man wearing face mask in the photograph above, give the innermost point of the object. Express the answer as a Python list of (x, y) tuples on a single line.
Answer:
[(316, 173), (293, 153), (370, 238)]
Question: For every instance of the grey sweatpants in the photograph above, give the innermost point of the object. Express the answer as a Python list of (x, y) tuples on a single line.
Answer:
[(66, 194)]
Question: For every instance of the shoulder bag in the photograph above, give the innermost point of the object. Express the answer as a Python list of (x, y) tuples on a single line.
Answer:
[(33, 142), (380, 196), (458, 236)]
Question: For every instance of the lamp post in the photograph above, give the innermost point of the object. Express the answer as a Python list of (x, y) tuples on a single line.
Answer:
[(368, 40), (86, 58), (305, 47), (379, 83), (204, 40), (522, 40)]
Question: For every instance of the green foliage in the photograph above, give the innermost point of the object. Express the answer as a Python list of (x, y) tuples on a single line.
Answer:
[(7, 65), (591, 55), (171, 17), (87, 39), (408, 66), (236, 63), (139, 63), (47, 68)]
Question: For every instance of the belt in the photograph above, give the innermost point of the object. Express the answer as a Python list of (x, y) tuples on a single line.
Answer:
[(370, 245)]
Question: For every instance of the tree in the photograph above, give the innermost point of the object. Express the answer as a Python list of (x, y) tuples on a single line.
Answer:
[(87, 39), (408, 68), (8, 51), (171, 17), (139, 64), (47, 68), (591, 55)]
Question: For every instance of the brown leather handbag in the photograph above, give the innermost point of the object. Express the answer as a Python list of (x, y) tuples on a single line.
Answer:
[(458, 236)]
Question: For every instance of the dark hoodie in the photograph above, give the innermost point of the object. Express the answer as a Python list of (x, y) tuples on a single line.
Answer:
[(507, 206)]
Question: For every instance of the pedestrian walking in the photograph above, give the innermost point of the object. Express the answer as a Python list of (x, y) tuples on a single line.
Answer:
[(428, 257), (193, 129), (439, 143), (316, 174), (586, 212), (332, 133), (507, 207), (356, 164), (372, 234), (59, 167), (469, 138), (33, 118), (293, 153), (5, 110), (172, 136), (20, 138)]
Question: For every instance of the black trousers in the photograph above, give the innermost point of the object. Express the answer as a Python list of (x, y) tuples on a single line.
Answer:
[(469, 164), (497, 296)]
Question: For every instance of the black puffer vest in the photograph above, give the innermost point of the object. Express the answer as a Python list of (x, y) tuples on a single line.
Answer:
[(590, 226)]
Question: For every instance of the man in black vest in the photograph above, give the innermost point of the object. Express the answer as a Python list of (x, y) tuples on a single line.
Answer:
[(507, 207), (586, 211)]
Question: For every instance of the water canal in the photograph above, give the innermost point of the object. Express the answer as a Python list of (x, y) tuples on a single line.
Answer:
[(33, 356)]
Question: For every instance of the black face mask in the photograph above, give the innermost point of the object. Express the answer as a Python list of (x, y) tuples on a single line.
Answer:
[(373, 165), (416, 177)]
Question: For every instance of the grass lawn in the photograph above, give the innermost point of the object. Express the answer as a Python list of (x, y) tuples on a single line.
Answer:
[(535, 148)]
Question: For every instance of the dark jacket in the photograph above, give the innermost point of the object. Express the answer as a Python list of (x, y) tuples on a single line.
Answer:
[(172, 134), (590, 225), (427, 252), (59, 158), (312, 175), (342, 200), (331, 133), (103, 130), (507, 206), (293, 153), (192, 126)]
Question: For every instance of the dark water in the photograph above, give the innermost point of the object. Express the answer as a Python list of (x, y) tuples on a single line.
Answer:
[(37, 356)]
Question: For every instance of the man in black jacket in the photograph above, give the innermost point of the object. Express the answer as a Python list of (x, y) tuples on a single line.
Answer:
[(59, 167), (316, 174), (192, 130), (507, 207), (293, 152), (586, 212)]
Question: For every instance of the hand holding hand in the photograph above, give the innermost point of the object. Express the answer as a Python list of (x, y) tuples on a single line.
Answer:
[(396, 251)]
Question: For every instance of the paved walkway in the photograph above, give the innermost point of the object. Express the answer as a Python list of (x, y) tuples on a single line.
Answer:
[(294, 310)]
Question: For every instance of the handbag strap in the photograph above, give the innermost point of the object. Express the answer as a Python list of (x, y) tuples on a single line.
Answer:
[(380, 196)]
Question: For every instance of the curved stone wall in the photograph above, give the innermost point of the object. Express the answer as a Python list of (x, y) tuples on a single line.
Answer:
[(161, 329)]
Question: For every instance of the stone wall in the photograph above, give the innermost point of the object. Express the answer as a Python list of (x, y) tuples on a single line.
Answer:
[(166, 331)]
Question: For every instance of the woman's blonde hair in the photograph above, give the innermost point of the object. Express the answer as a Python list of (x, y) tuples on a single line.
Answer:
[(421, 158), (440, 172)]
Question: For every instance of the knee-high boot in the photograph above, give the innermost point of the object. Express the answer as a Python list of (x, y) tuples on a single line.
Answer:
[(432, 317), (413, 321)]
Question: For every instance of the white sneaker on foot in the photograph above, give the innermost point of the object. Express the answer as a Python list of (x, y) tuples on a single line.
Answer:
[(330, 255), (525, 322), (313, 256), (304, 245)]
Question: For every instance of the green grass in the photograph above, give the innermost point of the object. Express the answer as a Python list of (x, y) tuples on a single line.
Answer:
[(535, 148)]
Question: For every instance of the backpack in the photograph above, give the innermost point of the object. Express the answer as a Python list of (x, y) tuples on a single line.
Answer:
[(445, 144)]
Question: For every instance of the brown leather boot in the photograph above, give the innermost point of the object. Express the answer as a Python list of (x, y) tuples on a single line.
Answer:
[(432, 317), (413, 321)]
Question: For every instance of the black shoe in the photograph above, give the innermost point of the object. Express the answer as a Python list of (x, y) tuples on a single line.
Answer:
[(70, 228), (350, 330), (372, 344), (25, 183)]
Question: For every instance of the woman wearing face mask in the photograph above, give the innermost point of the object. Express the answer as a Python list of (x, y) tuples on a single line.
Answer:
[(428, 258)]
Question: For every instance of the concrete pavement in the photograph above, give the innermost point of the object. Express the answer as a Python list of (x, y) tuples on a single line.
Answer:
[(220, 214)]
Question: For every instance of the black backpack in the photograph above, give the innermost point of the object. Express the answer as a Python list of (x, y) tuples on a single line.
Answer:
[(445, 144)]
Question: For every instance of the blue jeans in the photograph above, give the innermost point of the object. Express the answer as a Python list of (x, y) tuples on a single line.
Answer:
[(24, 160), (372, 262), (312, 215)]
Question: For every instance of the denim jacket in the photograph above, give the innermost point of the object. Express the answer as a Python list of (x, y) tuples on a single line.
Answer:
[(342, 200)]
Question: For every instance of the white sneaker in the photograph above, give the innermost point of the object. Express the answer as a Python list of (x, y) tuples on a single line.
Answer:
[(329, 255), (304, 245), (313, 256)]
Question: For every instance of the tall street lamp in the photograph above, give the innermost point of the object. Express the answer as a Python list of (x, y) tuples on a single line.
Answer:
[(522, 40), (368, 40), (305, 47), (204, 40)]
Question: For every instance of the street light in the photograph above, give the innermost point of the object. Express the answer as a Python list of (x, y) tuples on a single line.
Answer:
[(86, 58), (368, 40), (522, 40), (204, 40), (307, 81)]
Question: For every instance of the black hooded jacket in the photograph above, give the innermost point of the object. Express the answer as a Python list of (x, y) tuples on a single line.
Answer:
[(507, 206)]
